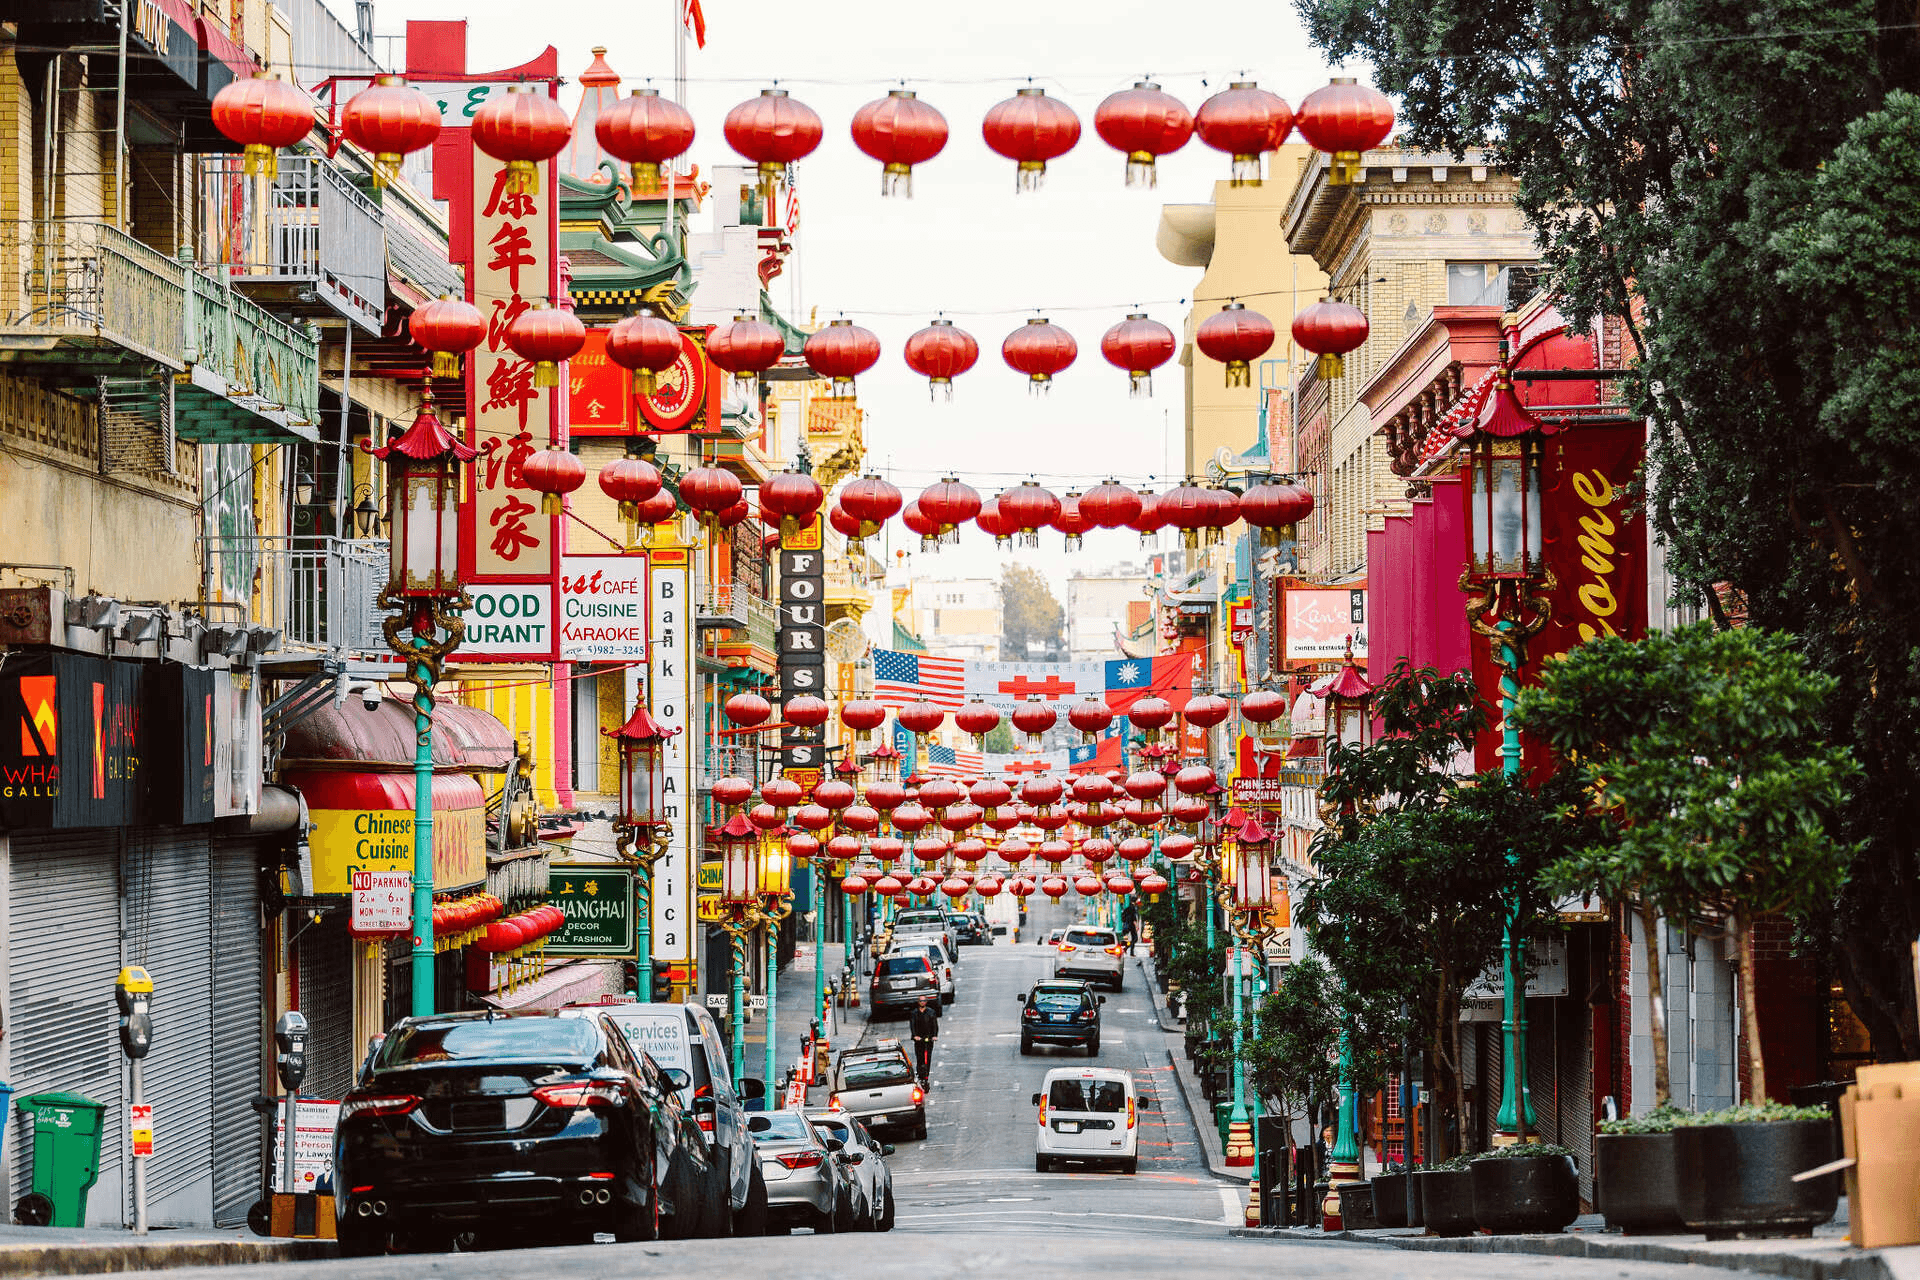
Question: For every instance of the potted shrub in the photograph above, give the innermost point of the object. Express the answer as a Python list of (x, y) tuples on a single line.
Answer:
[(1529, 1188), (1391, 1187), (1446, 1197), (1734, 1170), (1356, 1207), (1634, 1183)]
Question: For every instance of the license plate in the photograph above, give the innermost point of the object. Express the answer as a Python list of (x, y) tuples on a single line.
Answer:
[(899, 984), (1066, 1126), (1056, 1017), (485, 1113)]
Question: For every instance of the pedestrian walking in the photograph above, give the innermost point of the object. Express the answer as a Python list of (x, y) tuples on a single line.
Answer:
[(925, 1024), (1130, 921)]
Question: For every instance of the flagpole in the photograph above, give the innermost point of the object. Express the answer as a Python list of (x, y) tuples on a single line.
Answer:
[(679, 11)]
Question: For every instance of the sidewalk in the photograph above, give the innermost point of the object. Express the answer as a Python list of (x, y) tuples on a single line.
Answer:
[(1197, 1108), (1827, 1256), (28, 1251), (794, 1012)]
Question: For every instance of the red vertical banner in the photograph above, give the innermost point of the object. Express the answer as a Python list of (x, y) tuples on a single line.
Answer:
[(1594, 537)]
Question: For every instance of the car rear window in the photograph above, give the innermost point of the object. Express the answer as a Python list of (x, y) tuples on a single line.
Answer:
[(918, 917), (780, 1126), (872, 1073), (899, 966), (1089, 937), (1087, 1095), (559, 1040), (1057, 1000)]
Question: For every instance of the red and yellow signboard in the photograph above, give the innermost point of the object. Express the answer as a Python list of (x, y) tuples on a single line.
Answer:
[(364, 822), (599, 392)]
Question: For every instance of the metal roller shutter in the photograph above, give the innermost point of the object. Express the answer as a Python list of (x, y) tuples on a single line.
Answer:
[(326, 997), (63, 949), (169, 926), (238, 1029)]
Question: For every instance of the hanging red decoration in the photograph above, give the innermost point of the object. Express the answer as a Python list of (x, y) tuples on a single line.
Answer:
[(1191, 810), (1145, 122), (1262, 706), (1090, 716), (1042, 791), (1205, 710), (806, 710), (708, 491), (446, 328), (978, 719), (658, 509), (989, 794), (629, 481), (1236, 337), (919, 717), (993, 521), (390, 119), (886, 796), (949, 504), (263, 114), (645, 130), (1223, 512), (746, 347), (1030, 128), (772, 130), (854, 885), (1150, 715), (646, 345), (1149, 520), (860, 817), (1244, 120), (549, 337), (1344, 119), (871, 500), (1330, 330), (1274, 509), (863, 716), (842, 351), (846, 526), (1072, 521), (524, 127), (1187, 508), (899, 131), (940, 353), (1029, 508), (1039, 349), (1139, 344), (732, 792), (782, 793), (811, 817), (790, 499), (1033, 718), (1195, 779), (1109, 505), (747, 710), (552, 473), (832, 793), (918, 521), (734, 515), (1177, 847)]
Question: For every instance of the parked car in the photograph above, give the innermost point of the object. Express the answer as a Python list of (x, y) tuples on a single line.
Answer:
[(807, 1184), (972, 927), (937, 955), (1063, 1013), (1086, 1113), (925, 920), (1053, 938), (1094, 954), (515, 1127), (685, 1037), (899, 980), (866, 1157), (876, 1084)]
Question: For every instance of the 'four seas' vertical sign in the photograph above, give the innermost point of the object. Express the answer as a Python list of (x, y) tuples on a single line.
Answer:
[(670, 674)]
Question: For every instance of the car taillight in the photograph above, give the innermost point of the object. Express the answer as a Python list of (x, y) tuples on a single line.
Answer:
[(366, 1104), (1115, 951), (1129, 1113), (833, 1102), (1043, 1111), (1085, 1015), (919, 1095), (578, 1095), (1066, 946), (705, 1123), (800, 1159)]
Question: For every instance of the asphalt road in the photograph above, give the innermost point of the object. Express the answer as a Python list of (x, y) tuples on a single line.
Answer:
[(970, 1205)]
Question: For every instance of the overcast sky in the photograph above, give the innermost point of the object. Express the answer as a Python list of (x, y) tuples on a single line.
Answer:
[(1080, 250)]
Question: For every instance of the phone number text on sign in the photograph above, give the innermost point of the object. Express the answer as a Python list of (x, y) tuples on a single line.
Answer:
[(603, 608)]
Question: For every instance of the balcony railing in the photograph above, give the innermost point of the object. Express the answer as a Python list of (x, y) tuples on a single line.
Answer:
[(321, 592), (317, 234), (87, 301), (723, 605)]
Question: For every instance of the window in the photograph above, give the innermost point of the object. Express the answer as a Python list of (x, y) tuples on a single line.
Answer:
[(903, 966), (557, 1040), (1476, 284), (1058, 1001), (781, 1125), (1087, 1095), (1090, 938), (875, 1073)]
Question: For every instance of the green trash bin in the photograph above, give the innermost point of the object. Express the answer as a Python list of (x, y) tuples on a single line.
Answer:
[(66, 1158)]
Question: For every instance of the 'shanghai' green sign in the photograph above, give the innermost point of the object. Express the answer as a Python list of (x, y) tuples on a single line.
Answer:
[(598, 901)]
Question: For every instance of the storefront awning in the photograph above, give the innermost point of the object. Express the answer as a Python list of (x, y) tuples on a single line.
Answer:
[(559, 986), (382, 736)]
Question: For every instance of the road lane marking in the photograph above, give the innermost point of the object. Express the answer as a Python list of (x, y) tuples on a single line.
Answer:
[(908, 1220), (1232, 1212)]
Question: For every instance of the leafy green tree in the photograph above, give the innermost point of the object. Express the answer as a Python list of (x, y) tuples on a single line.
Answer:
[(1000, 738), (1295, 1029), (1738, 187), (1031, 620), (1700, 748)]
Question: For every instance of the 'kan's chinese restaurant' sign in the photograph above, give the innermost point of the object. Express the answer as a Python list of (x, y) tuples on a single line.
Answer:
[(364, 822)]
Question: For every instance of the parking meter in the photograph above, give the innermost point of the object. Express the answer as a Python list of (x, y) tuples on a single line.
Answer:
[(290, 1037), (133, 992)]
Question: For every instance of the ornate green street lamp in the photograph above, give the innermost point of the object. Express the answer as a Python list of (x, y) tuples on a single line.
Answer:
[(645, 831)]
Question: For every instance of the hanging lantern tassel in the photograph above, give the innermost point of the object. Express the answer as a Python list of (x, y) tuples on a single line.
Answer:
[(523, 179), (446, 364), (644, 383), (546, 373), (896, 179), (1139, 383), (646, 177), (1328, 366), (550, 504), (1140, 169), (262, 161), (789, 527), (842, 389), (1240, 373)]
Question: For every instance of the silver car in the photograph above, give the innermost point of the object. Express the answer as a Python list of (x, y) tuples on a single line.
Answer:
[(807, 1180), (1095, 955), (876, 1084), (937, 955), (866, 1159)]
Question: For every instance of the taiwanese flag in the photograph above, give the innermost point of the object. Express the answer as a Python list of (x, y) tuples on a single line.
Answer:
[(1169, 676), (1101, 756)]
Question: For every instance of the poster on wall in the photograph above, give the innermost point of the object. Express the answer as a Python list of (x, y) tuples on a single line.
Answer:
[(670, 683)]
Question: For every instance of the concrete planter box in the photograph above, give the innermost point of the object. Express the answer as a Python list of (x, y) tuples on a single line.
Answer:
[(1525, 1195), (1735, 1181), (1446, 1201), (1634, 1183), (1390, 1194)]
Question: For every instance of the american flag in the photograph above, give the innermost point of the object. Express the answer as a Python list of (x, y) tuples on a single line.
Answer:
[(954, 762), (903, 678), (791, 199)]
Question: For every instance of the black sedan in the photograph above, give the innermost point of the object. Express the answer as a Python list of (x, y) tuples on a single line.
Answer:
[(1063, 1013), (515, 1128)]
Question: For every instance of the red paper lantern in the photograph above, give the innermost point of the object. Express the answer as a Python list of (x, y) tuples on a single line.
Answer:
[(708, 491), (802, 845), (830, 793), (1087, 886), (1330, 329), (524, 127), (1150, 715), (846, 526), (863, 716), (655, 510), (1176, 847), (746, 347), (747, 710), (1020, 887), (1139, 344), (1344, 119), (263, 114), (887, 886), (886, 796), (871, 500), (1145, 122), (1149, 520), (737, 791), (886, 849), (1262, 706), (978, 719), (939, 793), (918, 521), (843, 848), (993, 521), (1195, 779), (1153, 884), (1206, 710), (806, 711), (919, 717), (548, 336), (842, 351), (1097, 849), (1030, 128), (940, 353), (1042, 790), (772, 130), (552, 473), (445, 328), (1188, 509), (791, 499), (1034, 718), (1119, 882), (782, 793), (1109, 505), (860, 817), (1072, 521), (1134, 848), (1090, 716), (1223, 511), (629, 481), (1236, 337), (956, 889), (1092, 788), (1039, 349), (949, 504), (1244, 120), (854, 884), (645, 130), (733, 515), (1274, 509), (1191, 809), (990, 793), (646, 345), (1146, 784), (899, 131), (988, 886), (1029, 508), (390, 119)]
